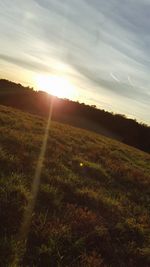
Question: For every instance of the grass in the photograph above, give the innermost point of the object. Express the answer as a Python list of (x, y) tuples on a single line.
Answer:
[(93, 203)]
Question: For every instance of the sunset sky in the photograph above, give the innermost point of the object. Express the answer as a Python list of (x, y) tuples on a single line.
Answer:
[(99, 48)]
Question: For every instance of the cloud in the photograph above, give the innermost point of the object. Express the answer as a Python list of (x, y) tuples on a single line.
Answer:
[(114, 77), (31, 65), (104, 43)]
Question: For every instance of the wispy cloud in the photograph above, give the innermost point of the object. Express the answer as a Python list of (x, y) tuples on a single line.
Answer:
[(114, 77), (105, 45)]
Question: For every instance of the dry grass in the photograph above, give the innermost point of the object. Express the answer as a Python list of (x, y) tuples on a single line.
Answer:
[(93, 204)]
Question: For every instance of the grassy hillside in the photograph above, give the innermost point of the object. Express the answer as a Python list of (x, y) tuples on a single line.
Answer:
[(93, 203)]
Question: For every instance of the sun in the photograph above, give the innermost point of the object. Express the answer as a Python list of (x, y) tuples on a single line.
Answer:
[(56, 85)]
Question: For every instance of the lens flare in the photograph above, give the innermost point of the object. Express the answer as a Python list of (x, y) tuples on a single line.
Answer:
[(26, 223)]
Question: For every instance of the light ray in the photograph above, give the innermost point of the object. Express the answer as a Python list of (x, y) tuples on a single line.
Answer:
[(25, 227)]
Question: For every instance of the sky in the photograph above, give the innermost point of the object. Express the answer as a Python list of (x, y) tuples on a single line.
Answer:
[(101, 47)]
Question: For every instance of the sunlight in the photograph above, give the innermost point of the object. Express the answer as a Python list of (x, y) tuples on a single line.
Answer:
[(56, 85)]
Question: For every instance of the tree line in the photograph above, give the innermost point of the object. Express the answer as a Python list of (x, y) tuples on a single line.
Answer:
[(38, 102)]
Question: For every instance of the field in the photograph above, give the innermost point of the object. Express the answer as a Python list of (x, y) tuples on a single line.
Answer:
[(93, 204)]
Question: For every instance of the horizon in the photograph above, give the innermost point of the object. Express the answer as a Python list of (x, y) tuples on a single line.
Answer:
[(77, 101), (103, 61)]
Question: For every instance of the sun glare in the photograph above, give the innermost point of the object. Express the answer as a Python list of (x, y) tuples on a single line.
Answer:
[(56, 85)]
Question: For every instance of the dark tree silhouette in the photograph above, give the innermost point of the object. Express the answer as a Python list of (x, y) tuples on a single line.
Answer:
[(25, 98)]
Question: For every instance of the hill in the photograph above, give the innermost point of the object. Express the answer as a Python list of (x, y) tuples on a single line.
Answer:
[(77, 114), (92, 207)]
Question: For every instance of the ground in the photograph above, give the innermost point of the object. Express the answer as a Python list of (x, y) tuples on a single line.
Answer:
[(93, 203)]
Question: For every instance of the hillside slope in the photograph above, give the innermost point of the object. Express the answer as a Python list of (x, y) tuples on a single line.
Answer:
[(93, 204)]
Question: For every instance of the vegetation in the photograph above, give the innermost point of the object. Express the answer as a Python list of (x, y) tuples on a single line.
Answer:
[(127, 130), (93, 203)]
